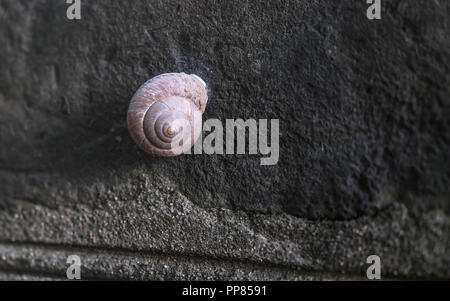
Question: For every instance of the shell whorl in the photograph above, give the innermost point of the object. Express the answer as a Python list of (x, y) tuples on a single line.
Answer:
[(164, 116)]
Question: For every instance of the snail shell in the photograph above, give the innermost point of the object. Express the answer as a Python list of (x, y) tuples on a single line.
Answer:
[(165, 114)]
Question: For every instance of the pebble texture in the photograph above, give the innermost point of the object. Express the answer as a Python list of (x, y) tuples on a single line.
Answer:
[(364, 140)]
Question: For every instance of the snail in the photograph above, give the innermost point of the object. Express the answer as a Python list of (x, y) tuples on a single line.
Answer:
[(165, 114)]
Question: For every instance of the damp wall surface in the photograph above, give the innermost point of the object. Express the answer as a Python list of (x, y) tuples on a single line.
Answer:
[(363, 108)]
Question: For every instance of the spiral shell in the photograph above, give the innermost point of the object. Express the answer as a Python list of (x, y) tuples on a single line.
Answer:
[(165, 114)]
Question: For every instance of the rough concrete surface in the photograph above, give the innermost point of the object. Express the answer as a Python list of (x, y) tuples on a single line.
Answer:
[(364, 141)]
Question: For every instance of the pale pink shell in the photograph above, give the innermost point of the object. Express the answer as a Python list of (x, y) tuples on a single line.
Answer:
[(164, 116)]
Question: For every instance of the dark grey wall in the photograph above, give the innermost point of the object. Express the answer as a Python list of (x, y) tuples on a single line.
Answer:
[(364, 146)]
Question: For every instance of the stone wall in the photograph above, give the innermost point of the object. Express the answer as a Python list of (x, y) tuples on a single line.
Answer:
[(364, 140)]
